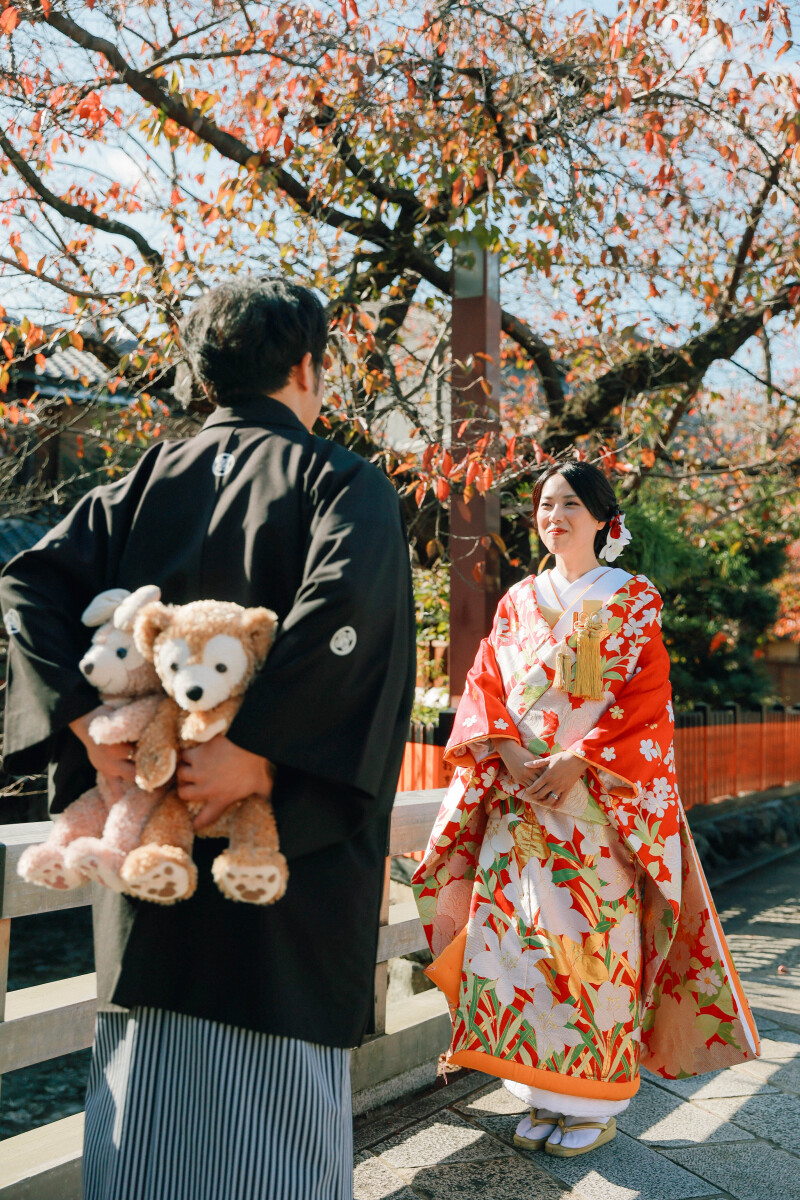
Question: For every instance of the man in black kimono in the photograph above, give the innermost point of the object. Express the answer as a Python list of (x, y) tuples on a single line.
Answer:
[(253, 509)]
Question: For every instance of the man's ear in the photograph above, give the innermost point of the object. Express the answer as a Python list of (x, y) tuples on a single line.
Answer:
[(150, 621), (260, 625)]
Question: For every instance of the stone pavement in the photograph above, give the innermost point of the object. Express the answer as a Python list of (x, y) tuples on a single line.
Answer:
[(731, 1135)]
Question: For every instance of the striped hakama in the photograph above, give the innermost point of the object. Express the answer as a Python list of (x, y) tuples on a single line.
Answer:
[(179, 1108)]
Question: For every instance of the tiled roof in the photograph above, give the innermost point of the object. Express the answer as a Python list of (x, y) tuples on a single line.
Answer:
[(62, 365)]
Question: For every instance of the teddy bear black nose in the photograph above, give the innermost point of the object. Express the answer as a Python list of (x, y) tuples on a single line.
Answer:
[(195, 693), (87, 670)]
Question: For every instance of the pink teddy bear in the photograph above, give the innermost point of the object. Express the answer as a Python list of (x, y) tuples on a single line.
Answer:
[(92, 837)]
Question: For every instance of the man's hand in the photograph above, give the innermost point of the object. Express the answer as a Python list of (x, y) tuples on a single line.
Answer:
[(556, 775), (115, 762), (217, 774)]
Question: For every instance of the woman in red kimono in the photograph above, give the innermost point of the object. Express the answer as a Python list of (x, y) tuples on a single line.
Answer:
[(572, 926)]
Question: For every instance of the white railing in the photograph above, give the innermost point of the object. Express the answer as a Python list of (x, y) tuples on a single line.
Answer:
[(51, 1019)]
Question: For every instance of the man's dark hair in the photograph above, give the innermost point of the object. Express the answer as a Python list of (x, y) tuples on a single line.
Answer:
[(245, 336), (590, 486)]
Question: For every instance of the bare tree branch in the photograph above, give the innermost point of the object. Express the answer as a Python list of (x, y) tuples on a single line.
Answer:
[(539, 352), (656, 368), (77, 212), (746, 243)]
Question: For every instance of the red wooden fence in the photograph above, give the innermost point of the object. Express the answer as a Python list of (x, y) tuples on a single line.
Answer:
[(717, 754)]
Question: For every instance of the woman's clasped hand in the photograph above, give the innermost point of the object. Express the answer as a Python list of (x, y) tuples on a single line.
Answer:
[(545, 780)]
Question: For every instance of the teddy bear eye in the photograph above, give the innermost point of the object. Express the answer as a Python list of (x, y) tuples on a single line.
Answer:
[(221, 667), (122, 652), (173, 666)]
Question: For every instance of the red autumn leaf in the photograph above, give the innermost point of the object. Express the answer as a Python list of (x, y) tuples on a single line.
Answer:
[(9, 20), (551, 720), (442, 490)]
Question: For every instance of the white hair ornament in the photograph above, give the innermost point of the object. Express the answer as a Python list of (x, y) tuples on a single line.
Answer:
[(618, 538)]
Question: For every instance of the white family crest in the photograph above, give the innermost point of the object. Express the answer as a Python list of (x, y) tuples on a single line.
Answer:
[(223, 465), (12, 622), (344, 640)]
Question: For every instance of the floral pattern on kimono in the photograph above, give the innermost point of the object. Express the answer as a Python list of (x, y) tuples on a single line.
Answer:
[(573, 941)]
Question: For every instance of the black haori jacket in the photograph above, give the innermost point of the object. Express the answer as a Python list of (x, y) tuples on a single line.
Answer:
[(255, 510)]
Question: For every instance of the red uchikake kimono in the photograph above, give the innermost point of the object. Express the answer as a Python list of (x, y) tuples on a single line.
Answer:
[(576, 942)]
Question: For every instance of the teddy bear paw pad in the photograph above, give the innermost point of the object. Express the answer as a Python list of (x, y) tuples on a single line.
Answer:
[(163, 883), (251, 884), (50, 874), (54, 877)]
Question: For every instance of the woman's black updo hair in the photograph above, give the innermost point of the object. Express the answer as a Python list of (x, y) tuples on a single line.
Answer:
[(590, 486)]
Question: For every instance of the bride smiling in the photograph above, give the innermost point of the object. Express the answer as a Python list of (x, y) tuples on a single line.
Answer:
[(574, 933)]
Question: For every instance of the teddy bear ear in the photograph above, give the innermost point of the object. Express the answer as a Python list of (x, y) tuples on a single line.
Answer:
[(125, 614), (150, 621), (103, 607), (260, 625)]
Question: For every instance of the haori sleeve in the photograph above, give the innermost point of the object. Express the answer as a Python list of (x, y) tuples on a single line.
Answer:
[(43, 592), (482, 717), (636, 729), (336, 690)]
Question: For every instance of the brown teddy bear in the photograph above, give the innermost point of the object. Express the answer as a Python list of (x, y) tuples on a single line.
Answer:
[(205, 653), (92, 837)]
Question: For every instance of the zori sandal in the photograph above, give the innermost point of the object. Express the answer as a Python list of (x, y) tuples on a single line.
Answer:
[(526, 1143), (608, 1131)]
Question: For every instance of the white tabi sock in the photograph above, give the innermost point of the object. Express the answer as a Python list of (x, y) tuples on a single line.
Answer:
[(574, 1139), (527, 1129)]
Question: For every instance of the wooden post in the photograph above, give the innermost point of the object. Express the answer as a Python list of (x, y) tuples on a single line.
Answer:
[(736, 767), (474, 555)]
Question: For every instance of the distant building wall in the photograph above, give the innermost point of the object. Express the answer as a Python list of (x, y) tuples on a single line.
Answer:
[(782, 661)]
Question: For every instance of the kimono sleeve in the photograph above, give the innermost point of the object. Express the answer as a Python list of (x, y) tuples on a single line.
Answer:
[(636, 730), (339, 679), (43, 592), (482, 715)]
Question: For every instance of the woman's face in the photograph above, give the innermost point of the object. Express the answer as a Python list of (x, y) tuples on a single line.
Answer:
[(565, 524)]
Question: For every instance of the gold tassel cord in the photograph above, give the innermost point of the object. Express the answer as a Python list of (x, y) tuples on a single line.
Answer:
[(588, 663), (563, 677)]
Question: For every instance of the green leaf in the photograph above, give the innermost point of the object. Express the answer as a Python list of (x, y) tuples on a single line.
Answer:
[(706, 1025), (537, 746)]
